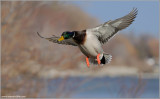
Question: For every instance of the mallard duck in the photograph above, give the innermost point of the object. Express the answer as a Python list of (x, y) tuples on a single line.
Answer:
[(90, 41)]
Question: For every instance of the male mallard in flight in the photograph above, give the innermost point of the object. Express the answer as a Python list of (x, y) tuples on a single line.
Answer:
[(90, 41)]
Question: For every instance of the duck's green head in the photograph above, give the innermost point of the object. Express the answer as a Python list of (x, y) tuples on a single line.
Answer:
[(66, 35)]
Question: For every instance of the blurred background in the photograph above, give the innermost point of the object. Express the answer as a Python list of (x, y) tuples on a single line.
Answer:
[(35, 67)]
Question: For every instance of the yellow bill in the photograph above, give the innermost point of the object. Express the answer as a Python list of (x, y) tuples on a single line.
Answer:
[(61, 38)]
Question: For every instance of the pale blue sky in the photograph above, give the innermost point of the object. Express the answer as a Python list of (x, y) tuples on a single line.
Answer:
[(147, 20)]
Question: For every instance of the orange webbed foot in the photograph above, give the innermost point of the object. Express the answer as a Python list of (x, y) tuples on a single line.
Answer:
[(98, 60), (87, 62)]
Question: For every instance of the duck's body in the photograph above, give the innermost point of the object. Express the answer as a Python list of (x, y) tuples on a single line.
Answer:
[(91, 47), (90, 41)]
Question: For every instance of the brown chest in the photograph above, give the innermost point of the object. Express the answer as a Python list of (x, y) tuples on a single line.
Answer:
[(80, 37)]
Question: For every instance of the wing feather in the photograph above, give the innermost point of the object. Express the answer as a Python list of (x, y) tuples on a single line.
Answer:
[(107, 30), (125, 21)]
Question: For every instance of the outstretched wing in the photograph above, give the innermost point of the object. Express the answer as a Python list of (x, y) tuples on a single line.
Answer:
[(54, 39), (107, 30)]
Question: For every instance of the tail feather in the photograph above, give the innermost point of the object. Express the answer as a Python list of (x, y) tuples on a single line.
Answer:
[(108, 58), (105, 59)]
